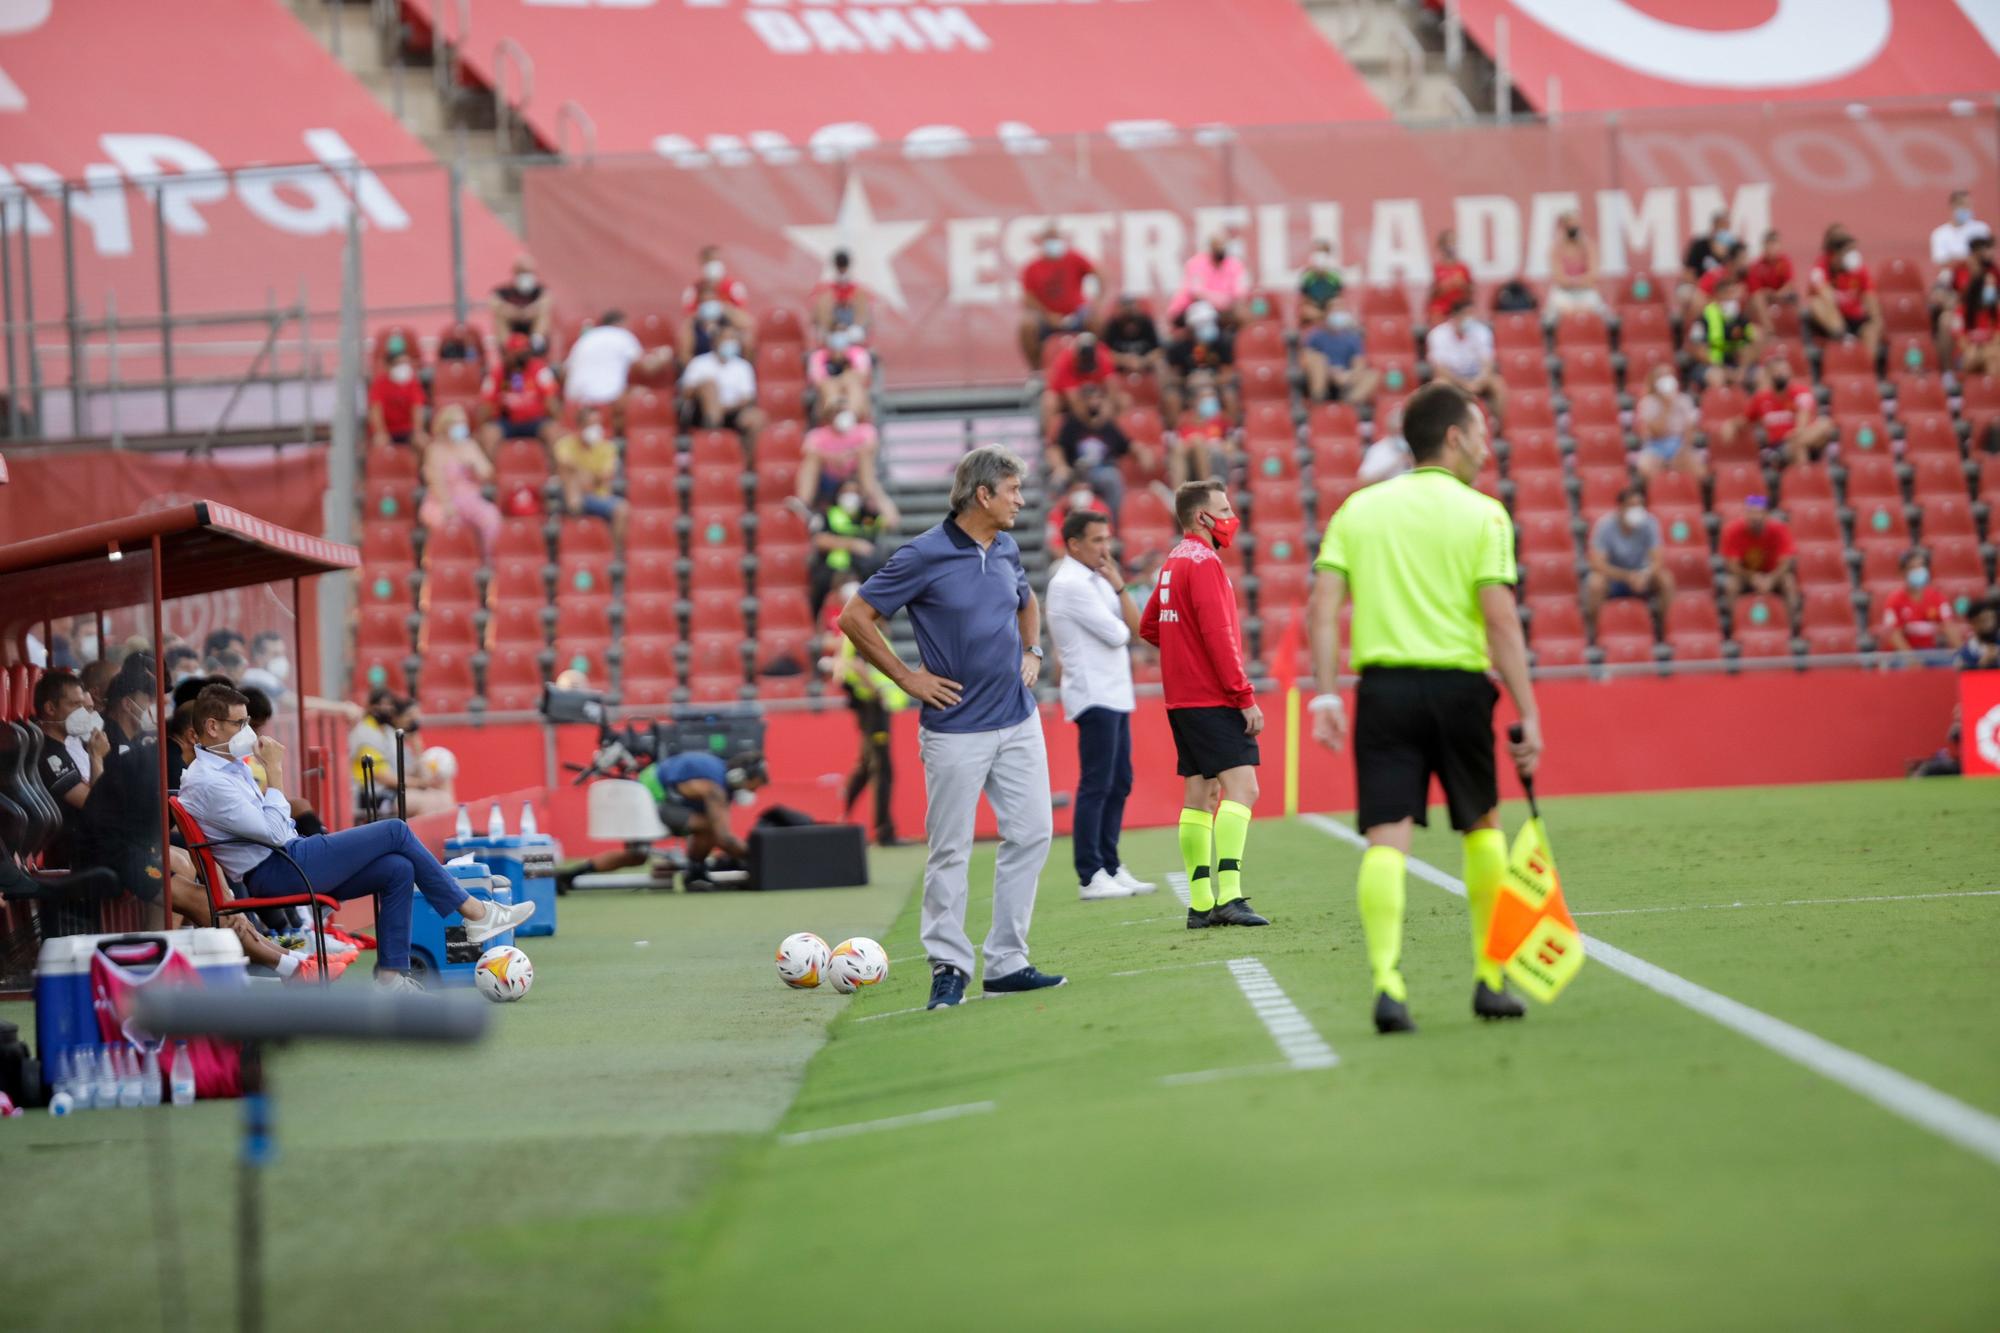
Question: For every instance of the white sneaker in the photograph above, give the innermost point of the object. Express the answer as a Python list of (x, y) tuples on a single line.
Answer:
[(398, 983), (1102, 886), (1132, 882), (497, 921)]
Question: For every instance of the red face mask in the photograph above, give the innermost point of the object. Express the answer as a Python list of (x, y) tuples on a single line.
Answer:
[(1223, 530)]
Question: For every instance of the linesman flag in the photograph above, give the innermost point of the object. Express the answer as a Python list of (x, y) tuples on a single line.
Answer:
[(1532, 935)]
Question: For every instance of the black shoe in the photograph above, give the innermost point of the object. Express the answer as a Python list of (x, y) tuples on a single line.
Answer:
[(888, 838), (947, 986), (1025, 980), (1392, 1015), (1489, 1004), (1235, 912), (1199, 919)]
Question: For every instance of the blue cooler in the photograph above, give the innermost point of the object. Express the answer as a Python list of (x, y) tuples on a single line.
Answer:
[(529, 863), (64, 1014), (439, 954)]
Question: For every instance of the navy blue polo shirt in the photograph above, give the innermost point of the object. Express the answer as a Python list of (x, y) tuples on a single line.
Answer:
[(963, 602)]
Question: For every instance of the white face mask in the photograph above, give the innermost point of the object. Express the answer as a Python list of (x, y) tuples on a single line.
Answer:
[(744, 798), (727, 349), (710, 311), (243, 743), (524, 283), (1730, 309), (402, 372), (1961, 215), (78, 724), (843, 421), (1634, 515), (460, 431), (1340, 319), (1851, 260), (593, 434), (851, 502), (1666, 384), (837, 341), (280, 667), (149, 721), (1054, 248), (713, 270), (86, 648), (1238, 249), (1322, 259)]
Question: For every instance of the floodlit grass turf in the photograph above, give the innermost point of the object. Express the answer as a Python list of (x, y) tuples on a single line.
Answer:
[(1615, 1162)]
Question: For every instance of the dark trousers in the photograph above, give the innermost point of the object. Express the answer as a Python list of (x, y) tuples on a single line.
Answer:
[(873, 764), (382, 858), (1104, 780)]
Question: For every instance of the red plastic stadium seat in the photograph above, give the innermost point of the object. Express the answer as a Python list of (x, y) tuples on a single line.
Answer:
[(591, 657), (515, 624), (389, 542), (1919, 391), (1385, 301), (1523, 368), (1142, 425), (1335, 459), (1399, 378), (648, 676), (1824, 564), (1546, 534), (782, 402), (1532, 450), (1530, 409), (1592, 405), (584, 559), (1735, 483), (1831, 638), (780, 439), (1550, 574), (448, 626), (1586, 365), (780, 525), (1844, 359), (1644, 324), (1828, 607), (1269, 422), (1881, 569), (1722, 402), (521, 463), (781, 325), (780, 363), (1937, 477), (444, 685), (717, 486), (781, 567), (1625, 631), (1689, 565), (715, 689), (1600, 449), (1694, 630), (1880, 522), (379, 671), (652, 491), (1759, 613), (1804, 481), (1599, 492), (649, 407), (1902, 275), (652, 570), (453, 544), (390, 462), (1930, 435), (384, 631), (711, 447), (1644, 362), (1332, 421), (1989, 488), (716, 569), (1580, 329), (1517, 329), (1541, 492), (1555, 631), (716, 607), (390, 501), (1947, 516), (513, 678), (652, 449), (1275, 500), (1871, 477), (1905, 312)]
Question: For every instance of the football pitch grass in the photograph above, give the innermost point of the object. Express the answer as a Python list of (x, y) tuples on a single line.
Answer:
[(1138, 1149)]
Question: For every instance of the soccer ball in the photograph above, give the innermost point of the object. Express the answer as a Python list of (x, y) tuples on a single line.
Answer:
[(856, 963), (802, 960), (503, 974)]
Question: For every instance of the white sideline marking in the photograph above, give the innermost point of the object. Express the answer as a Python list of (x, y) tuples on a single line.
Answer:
[(1171, 967), (892, 1122), (1217, 1075), (919, 1009), (1149, 920), (1794, 902), (1177, 881), (1298, 1041), (1919, 1103)]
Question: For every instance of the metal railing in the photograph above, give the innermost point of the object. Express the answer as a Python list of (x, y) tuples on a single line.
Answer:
[(508, 51)]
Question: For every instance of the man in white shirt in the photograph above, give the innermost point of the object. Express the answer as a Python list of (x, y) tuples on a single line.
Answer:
[(1952, 241), (600, 365), (382, 858), (1092, 619), (719, 389), (1460, 351)]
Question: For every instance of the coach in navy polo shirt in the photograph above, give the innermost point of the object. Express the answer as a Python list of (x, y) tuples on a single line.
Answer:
[(978, 630)]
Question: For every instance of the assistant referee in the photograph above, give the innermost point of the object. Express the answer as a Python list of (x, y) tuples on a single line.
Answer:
[(1429, 563)]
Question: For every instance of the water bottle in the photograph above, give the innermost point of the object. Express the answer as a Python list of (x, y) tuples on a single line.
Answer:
[(528, 826), (65, 1074), (149, 1076), (130, 1093), (105, 1094), (496, 823), (464, 829), (183, 1076)]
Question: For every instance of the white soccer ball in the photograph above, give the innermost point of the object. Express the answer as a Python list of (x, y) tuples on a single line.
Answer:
[(856, 963), (802, 960), (503, 974), (438, 763)]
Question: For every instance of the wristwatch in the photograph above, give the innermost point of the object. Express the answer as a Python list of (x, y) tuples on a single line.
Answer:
[(1036, 649)]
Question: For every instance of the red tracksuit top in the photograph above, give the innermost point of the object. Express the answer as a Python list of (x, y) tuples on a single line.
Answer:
[(1191, 618)]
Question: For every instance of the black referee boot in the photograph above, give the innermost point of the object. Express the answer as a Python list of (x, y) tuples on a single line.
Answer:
[(1236, 912), (1392, 1015), (1490, 1004), (1200, 919)]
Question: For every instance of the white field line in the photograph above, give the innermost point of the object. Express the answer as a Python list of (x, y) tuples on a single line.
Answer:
[(1149, 920), (1298, 1041), (1793, 902), (919, 1009), (1217, 1075), (1922, 1105), (892, 1122), (1177, 881), (1171, 967)]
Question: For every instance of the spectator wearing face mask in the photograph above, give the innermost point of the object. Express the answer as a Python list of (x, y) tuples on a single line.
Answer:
[(1215, 276), (1451, 280), (1665, 418), (1330, 353), (1626, 558), (586, 468), (522, 305), (182, 663), (1758, 554), (1078, 499), (1460, 351), (709, 321), (1202, 347), (1981, 649), (1917, 617), (843, 452), (1133, 339), (841, 301), (1951, 240), (1974, 314), (1057, 289), (1573, 271), (1198, 444), (1722, 338), (96, 676), (270, 668), (599, 368), (1388, 454), (398, 408), (1320, 285), (63, 713), (847, 534), (1088, 445), (223, 640), (1084, 364), (130, 711), (1704, 253), (713, 279), (521, 396), (841, 373), (1788, 414), (456, 470), (719, 389), (1768, 281), (1841, 295)]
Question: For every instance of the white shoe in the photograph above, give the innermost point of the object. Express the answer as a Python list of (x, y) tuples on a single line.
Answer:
[(398, 983), (1102, 886), (497, 921), (1132, 882)]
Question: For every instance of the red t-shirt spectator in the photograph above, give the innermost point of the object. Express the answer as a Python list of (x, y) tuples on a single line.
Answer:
[(1850, 286), (1770, 275), (1759, 552), (1984, 320), (728, 287), (1777, 411), (399, 403), (843, 290), (1922, 617), (1450, 284), (1058, 283), (521, 396), (1064, 376)]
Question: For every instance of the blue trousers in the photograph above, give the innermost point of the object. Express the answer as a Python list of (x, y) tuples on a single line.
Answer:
[(381, 858), (1104, 780)]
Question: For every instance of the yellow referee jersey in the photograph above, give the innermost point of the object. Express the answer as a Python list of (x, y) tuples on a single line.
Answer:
[(1415, 551)]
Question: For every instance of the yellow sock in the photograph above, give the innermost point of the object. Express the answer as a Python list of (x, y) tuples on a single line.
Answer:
[(1197, 829), (1232, 830), (1485, 865), (1380, 892)]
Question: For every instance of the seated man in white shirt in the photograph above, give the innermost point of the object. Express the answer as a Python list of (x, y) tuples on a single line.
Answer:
[(599, 367), (1093, 619), (1460, 351), (381, 858), (719, 388)]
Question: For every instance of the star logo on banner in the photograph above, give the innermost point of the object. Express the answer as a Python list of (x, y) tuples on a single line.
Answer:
[(872, 245)]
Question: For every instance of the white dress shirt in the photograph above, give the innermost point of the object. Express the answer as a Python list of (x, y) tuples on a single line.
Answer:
[(1091, 640), (1466, 355), (600, 363), (224, 799), (1953, 241)]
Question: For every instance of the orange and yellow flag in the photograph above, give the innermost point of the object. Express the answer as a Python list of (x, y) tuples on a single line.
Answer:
[(1532, 934)]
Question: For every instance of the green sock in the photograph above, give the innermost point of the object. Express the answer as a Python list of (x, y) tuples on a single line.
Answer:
[(1485, 865), (1232, 830), (1197, 828), (1379, 890)]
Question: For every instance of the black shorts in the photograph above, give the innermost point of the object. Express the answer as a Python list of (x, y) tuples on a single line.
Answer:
[(1412, 722), (677, 814), (1211, 741)]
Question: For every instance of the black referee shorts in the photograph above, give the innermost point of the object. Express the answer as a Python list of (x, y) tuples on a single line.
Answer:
[(1411, 722), (1209, 741)]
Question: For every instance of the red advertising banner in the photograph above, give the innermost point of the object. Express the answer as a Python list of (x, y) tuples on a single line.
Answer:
[(940, 241), (1979, 723), (1609, 55)]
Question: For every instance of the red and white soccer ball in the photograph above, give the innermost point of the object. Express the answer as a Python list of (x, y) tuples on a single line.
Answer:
[(503, 974), (802, 960), (856, 963)]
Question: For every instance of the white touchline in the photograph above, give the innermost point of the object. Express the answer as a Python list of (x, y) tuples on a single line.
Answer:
[(1216, 1075), (1177, 881), (1919, 1103), (892, 1122), (1171, 967), (919, 1009), (1794, 902), (1298, 1041)]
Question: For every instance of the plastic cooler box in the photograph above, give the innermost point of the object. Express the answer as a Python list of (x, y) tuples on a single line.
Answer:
[(439, 954), (529, 863), (64, 1014)]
